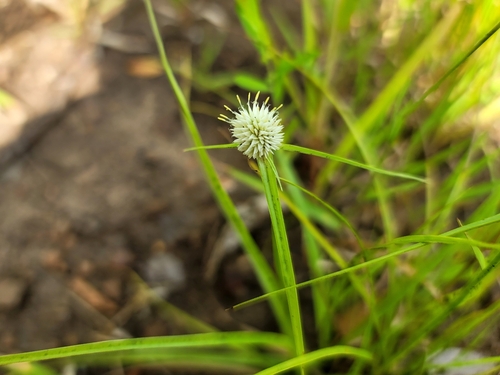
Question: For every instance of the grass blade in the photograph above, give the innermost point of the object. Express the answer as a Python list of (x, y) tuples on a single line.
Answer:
[(317, 356), (308, 151), (285, 259), (478, 224), (184, 341), (263, 270)]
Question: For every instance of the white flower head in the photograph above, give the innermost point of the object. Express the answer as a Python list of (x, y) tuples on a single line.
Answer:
[(256, 128)]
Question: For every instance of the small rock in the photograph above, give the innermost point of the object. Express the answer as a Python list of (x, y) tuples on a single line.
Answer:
[(165, 272), (11, 293), (53, 260), (455, 354)]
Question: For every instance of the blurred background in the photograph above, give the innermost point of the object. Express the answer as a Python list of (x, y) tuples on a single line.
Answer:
[(108, 229), (97, 194)]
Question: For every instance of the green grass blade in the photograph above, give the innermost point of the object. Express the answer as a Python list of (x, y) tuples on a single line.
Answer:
[(477, 253), (263, 270), (460, 62), (255, 26), (182, 320), (428, 239), (320, 295), (249, 82), (212, 147), (317, 356), (308, 22), (441, 317), (465, 326), (267, 339), (214, 360), (476, 225), (287, 29), (308, 151), (315, 234), (268, 176), (367, 152), (384, 100)]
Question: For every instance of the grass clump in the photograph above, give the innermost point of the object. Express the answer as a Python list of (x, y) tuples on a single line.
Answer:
[(391, 105)]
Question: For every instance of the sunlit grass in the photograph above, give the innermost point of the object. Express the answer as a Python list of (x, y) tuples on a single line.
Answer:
[(383, 90)]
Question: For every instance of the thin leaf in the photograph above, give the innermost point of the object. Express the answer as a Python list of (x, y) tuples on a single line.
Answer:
[(186, 341), (212, 147), (308, 151), (267, 174), (478, 224), (317, 356), (250, 82)]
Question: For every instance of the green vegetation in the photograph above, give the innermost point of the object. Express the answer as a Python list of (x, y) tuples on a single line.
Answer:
[(395, 103)]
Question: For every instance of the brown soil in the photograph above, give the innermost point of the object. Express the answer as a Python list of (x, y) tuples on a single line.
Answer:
[(101, 197)]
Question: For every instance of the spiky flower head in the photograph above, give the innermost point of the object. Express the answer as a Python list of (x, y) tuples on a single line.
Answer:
[(256, 128)]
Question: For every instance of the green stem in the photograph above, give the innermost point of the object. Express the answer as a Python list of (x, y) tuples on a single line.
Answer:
[(283, 250), (263, 271)]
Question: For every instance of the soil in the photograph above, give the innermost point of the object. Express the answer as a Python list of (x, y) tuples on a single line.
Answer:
[(102, 198), (107, 227)]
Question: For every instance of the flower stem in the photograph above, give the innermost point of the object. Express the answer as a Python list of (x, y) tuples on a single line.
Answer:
[(263, 271), (267, 172)]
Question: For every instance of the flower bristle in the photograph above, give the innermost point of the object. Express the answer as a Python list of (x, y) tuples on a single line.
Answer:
[(257, 129)]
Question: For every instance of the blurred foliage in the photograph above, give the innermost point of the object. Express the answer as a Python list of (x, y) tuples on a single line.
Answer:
[(410, 86)]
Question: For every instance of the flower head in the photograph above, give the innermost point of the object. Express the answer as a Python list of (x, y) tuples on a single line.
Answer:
[(256, 128)]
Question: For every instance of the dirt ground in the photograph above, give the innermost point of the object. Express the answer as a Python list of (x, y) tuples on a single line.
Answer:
[(107, 228), (97, 195)]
